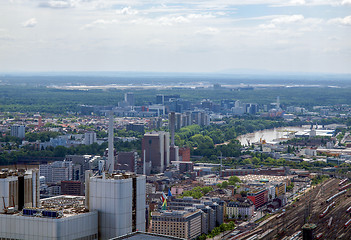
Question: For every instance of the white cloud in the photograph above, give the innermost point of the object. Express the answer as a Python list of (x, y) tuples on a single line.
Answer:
[(208, 31), (99, 23), (287, 19), (57, 4), (346, 2), (127, 11), (169, 21), (346, 21), (282, 20), (30, 23)]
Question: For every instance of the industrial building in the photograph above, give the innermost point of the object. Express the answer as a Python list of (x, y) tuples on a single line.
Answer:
[(19, 189), (120, 201), (62, 217)]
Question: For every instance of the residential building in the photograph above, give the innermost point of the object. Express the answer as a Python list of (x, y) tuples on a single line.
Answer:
[(89, 138), (242, 208), (18, 131)]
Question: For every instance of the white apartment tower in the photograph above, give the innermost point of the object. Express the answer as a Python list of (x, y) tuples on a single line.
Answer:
[(89, 138), (18, 131)]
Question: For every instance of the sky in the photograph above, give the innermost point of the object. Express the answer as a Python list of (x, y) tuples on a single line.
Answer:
[(311, 36)]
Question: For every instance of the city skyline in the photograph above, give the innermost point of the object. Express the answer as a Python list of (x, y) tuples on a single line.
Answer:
[(175, 36)]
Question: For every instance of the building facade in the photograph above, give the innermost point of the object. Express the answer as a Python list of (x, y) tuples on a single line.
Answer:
[(182, 224), (156, 150), (120, 201)]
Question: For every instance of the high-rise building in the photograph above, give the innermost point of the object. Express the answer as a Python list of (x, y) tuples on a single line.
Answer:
[(119, 200), (129, 98), (182, 224), (155, 149), (89, 138), (18, 131), (127, 161), (57, 171)]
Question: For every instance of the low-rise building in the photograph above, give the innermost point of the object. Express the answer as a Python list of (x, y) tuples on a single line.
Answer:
[(182, 224), (242, 208)]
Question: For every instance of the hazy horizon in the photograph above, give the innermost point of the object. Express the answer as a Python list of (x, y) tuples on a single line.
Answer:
[(306, 36)]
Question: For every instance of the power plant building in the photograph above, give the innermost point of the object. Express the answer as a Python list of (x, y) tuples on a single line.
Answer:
[(68, 220), (120, 202)]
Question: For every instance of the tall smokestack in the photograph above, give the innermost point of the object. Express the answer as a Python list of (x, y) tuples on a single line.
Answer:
[(110, 159), (172, 126)]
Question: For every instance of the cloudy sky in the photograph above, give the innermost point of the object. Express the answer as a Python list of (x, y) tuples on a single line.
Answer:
[(175, 36)]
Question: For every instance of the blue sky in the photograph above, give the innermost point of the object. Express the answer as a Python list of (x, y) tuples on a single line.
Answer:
[(175, 36)]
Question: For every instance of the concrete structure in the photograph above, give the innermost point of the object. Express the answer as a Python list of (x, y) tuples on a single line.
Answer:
[(156, 147), (68, 221), (89, 138), (18, 131), (182, 224), (19, 189), (120, 201)]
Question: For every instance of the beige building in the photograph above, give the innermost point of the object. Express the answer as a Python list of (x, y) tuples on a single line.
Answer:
[(182, 224)]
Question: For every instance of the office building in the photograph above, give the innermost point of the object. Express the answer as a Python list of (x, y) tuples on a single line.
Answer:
[(258, 196), (120, 201), (182, 224), (155, 149), (18, 131), (57, 171)]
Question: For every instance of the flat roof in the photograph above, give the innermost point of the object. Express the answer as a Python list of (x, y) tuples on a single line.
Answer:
[(146, 236)]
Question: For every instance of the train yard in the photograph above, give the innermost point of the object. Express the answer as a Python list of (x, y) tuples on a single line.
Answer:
[(326, 205)]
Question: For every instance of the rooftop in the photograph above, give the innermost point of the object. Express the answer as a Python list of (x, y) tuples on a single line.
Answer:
[(146, 236)]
